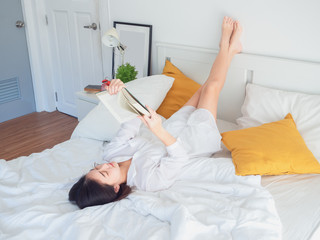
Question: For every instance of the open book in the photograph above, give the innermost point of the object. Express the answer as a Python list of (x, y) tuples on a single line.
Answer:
[(123, 106)]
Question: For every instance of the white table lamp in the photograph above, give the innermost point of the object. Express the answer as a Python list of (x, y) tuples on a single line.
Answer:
[(111, 39)]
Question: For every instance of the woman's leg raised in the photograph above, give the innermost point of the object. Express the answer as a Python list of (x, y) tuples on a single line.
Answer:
[(227, 28), (207, 96)]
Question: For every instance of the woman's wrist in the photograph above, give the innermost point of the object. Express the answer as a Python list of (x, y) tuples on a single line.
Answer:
[(165, 136)]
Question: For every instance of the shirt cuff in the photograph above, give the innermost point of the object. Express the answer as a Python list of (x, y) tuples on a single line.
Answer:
[(176, 149)]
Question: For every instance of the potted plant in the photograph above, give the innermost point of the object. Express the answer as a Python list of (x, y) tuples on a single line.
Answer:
[(126, 73)]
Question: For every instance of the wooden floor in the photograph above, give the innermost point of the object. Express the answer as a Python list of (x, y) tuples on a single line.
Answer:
[(34, 133)]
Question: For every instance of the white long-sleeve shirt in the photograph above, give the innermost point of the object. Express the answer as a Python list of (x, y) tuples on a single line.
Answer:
[(154, 166)]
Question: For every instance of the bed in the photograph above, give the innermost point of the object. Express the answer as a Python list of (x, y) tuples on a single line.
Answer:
[(208, 201)]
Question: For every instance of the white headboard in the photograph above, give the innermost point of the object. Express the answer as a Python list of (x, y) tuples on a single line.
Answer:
[(279, 73)]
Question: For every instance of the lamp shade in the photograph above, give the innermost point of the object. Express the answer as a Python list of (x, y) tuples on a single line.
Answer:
[(111, 38)]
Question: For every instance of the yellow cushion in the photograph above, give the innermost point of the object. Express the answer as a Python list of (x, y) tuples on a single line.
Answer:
[(181, 91), (271, 149)]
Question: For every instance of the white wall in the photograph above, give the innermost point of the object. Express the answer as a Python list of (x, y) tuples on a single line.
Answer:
[(281, 28)]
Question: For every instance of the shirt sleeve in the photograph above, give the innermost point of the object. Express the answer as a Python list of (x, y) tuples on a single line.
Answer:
[(120, 145), (128, 130), (166, 172)]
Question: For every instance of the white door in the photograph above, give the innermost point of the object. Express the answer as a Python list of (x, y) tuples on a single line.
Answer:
[(76, 48), (16, 89)]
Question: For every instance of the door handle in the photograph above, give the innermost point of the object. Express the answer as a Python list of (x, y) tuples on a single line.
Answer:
[(92, 26), (19, 24)]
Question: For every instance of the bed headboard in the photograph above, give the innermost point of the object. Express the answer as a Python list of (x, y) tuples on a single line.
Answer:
[(279, 73)]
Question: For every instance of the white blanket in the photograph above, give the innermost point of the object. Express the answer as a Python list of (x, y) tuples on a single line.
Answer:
[(207, 202)]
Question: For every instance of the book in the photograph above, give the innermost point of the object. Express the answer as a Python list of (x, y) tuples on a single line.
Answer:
[(93, 88), (123, 106)]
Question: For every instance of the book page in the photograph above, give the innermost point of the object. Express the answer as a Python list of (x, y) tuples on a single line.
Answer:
[(124, 102), (123, 106), (117, 106), (135, 103)]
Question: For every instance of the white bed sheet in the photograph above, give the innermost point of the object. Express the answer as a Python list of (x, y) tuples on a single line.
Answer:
[(208, 201), (297, 198)]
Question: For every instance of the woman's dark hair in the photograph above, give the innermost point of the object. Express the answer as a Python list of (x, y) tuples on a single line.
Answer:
[(87, 192)]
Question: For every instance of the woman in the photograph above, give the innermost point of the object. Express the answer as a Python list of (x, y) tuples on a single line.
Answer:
[(150, 158)]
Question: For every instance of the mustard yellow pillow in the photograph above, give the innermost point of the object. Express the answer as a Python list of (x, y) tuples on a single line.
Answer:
[(271, 149), (181, 91)]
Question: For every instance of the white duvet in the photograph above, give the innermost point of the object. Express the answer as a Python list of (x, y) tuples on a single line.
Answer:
[(208, 201)]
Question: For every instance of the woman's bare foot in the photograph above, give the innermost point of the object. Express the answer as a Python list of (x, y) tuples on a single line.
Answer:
[(235, 43), (227, 28)]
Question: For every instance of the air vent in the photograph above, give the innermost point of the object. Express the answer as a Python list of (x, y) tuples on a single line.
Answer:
[(9, 90)]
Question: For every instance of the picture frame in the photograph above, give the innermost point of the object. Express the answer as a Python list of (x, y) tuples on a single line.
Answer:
[(138, 41)]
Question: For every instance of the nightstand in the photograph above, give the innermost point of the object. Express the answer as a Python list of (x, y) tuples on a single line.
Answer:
[(85, 103)]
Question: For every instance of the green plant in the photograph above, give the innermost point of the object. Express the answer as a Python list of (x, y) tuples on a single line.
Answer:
[(126, 72)]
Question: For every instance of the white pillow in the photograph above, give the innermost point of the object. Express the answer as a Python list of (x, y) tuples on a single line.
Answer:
[(99, 124), (263, 105)]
